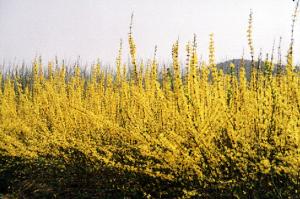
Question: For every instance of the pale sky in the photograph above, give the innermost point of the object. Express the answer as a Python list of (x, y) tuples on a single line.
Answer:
[(93, 28)]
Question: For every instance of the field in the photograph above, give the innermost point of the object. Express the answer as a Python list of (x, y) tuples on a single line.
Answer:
[(148, 130)]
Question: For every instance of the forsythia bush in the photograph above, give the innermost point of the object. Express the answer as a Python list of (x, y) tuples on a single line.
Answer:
[(204, 131)]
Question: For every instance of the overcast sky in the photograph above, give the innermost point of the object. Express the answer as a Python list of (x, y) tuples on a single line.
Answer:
[(93, 28)]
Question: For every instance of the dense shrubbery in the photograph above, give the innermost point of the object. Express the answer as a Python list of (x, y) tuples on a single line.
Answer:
[(140, 133)]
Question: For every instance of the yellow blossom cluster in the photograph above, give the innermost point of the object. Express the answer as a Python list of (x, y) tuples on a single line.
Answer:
[(218, 130)]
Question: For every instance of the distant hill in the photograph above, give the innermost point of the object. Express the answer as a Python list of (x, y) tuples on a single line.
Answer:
[(225, 66)]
